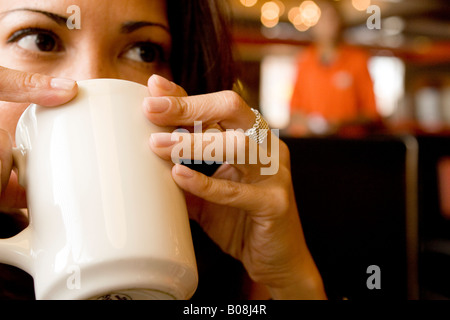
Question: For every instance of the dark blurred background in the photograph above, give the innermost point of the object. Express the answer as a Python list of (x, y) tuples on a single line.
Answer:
[(381, 198)]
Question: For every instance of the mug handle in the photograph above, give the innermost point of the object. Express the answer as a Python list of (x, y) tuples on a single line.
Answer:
[(16, 251)]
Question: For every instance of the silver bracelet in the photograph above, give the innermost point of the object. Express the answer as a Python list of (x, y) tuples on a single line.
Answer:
[(259, 130)]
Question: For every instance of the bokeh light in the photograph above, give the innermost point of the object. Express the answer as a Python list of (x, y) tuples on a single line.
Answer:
[(310, 13), (269, 23), (270, 10), (361, 5), (248, 3)]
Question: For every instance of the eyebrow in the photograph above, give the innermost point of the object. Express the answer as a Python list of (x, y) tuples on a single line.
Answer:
[(131, 26), (61, 20), (127, 27)]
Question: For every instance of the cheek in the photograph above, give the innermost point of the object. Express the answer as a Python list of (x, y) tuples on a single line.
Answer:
[(9, 116)]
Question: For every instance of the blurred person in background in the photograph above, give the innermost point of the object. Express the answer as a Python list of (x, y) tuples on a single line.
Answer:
[(333, 91)]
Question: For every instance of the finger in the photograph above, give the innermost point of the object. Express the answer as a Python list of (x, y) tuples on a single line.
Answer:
[(159, 86), (213, 146), (220, 191), (5, 158), (14, 195), (231, 146), (225, 108), (17, 86)]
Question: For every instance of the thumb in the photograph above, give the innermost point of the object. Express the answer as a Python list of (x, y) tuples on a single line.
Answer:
[(159, 86), (5, 158), (18, 86), (12, 195)]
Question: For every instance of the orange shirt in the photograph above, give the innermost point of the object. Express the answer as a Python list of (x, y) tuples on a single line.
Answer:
[(341, 91)]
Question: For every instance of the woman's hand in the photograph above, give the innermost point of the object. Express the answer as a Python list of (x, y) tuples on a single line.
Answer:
[(251, 216), (23, 88)]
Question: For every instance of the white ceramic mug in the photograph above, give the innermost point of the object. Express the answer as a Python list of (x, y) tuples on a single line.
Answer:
[(107, 220)]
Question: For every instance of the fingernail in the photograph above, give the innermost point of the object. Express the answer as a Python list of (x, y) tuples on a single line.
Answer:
[(183, 171), (162, 82), (162, 139), (62, 84), (157, 105)]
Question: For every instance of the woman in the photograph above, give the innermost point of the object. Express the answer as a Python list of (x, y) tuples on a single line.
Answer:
[(249, 216)]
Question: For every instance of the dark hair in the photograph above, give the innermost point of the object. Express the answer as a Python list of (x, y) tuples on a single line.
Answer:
[(202, 58)]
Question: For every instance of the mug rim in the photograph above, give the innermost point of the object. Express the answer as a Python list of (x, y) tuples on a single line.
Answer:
[(80, 82), (108, 80)]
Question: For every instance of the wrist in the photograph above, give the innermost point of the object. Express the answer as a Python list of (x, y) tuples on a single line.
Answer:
[(304, 284), (310, 288)]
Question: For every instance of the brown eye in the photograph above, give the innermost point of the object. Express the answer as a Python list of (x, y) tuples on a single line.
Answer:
[(40, 42), (144, 52), (36, 40)]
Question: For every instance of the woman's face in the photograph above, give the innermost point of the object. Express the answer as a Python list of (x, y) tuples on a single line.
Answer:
[(116, 39)]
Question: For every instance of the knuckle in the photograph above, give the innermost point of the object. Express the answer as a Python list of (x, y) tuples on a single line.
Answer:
[(233, 192), (183, 107), (224, 192), (285, 153), (281, 195), (285, 178), (4, 134), (233, 100), (208, 186), (31, 80)]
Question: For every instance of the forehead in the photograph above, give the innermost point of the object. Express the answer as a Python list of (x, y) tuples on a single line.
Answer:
[(97, 11)]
